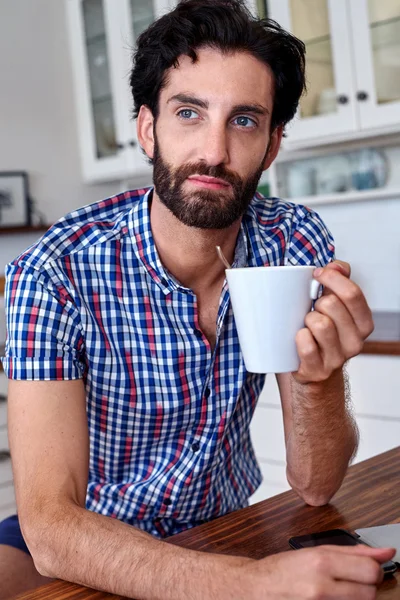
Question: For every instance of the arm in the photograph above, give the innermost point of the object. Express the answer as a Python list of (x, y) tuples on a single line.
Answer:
[(321, 436), (49, 444), (50, 449), (320, 433)]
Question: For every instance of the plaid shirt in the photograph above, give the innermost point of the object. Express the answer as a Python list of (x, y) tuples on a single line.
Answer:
[(168, 417)]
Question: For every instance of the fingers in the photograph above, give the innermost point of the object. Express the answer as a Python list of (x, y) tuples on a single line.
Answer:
[(325, 333), (350, 295), (310, 357), (350, 340), (380, 554), (341, 266), (355, 568)]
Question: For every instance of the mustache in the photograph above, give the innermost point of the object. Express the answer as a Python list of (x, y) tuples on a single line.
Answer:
[(201, 168)]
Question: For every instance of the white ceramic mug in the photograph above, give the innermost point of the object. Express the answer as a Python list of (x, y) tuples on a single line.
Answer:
[(269, 305)]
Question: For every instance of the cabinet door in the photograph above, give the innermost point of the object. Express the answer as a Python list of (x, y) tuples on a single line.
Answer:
[(258, 7), (134, 16), (376, 30), (91, 29), (328, 108)]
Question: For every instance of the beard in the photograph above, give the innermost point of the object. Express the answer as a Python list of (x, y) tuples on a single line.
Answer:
[(204, 209)]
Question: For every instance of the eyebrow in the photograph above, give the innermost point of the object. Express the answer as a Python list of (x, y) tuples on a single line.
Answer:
[(188, 99)]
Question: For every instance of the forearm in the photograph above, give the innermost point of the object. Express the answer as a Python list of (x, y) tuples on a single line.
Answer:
[(322, 438), (106, 554)]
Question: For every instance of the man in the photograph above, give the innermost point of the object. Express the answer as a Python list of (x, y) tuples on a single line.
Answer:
[(129, 404)]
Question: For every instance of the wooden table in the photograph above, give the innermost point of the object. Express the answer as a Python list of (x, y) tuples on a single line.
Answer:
[(370, 495)]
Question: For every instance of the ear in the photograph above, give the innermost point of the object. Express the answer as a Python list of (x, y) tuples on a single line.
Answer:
[(145, 131), (273, 146)]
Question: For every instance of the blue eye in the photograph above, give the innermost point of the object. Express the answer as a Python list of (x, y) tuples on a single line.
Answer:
[(245, 122), (188, 114)]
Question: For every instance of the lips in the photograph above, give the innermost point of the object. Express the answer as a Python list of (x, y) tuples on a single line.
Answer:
[(211, 182)]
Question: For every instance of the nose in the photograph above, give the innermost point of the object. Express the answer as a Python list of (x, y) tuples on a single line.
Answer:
[(215, 149)]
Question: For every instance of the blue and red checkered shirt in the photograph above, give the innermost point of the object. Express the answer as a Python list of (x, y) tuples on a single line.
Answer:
[(168, 416)]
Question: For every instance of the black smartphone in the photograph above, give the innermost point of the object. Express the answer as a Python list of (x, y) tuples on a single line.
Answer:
[(337, 537)]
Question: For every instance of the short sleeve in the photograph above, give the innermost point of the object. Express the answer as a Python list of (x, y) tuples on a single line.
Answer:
[(311, 242), (44, 335)]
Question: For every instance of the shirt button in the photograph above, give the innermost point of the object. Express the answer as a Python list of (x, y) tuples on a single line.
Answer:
[(167, 502), (164, 282), (196, 446), (207, 392), (198, 334)]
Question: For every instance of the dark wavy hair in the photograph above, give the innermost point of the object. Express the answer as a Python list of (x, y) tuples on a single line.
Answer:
[(225, 25)]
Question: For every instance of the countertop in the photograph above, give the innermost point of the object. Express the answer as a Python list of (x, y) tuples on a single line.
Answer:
[(385, 339)]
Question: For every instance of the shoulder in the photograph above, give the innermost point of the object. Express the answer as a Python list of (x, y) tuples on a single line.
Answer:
[(84, 228), (270, 213), (289, 232)]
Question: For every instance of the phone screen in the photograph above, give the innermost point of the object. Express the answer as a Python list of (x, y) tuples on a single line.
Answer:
[(337, 537)]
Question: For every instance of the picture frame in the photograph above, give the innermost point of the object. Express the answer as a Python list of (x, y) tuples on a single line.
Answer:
[(15, 205)]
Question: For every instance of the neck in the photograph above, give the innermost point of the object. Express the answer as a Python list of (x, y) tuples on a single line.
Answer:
[(189, 253)]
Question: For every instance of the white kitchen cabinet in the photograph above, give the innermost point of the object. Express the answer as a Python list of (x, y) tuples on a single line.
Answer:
[(352, 67), (102, 37)]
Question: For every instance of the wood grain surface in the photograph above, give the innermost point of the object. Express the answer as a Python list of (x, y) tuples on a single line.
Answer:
[(384, 348), (370, 495)]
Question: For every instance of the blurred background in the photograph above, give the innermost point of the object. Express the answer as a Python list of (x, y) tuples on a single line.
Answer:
[(67, 139)]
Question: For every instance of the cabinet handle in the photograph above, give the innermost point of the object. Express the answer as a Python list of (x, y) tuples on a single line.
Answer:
[(4, 455), (132, 143), (342, 99), (362, 96), (120, 146), (3, 398)]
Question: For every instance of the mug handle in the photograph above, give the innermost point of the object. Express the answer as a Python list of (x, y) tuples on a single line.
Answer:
[(314, 289)]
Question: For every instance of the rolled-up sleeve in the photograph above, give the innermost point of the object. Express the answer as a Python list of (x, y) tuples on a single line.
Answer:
[(44, 334)]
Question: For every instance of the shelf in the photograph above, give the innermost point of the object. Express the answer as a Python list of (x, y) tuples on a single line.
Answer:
[(24, 229), (354, 196), (376, 24)]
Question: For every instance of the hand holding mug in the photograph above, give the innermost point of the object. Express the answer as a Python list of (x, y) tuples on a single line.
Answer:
[(337, 327)]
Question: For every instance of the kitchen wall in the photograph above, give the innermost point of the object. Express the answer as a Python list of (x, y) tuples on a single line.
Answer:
[(367, 235), (38, 131)]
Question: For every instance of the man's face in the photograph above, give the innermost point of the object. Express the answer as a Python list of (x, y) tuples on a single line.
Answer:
[(211, 137)]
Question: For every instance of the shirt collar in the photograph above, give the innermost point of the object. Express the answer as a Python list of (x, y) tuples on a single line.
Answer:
[(139, 228)]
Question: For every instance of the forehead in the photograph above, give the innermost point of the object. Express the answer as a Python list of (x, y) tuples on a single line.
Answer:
[(228, 79)]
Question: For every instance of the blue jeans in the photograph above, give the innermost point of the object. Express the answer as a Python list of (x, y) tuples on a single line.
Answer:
[(11, 535)]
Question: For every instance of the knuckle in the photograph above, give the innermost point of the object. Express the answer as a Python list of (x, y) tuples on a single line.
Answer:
[(309, 319), (306, 351), (353, 294), (323, 324), (320, 561), (355, 348), (358, 347), (327, 303), (369, 326)]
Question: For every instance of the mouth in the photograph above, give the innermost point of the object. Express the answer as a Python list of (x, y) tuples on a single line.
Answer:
[(211, 183)]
